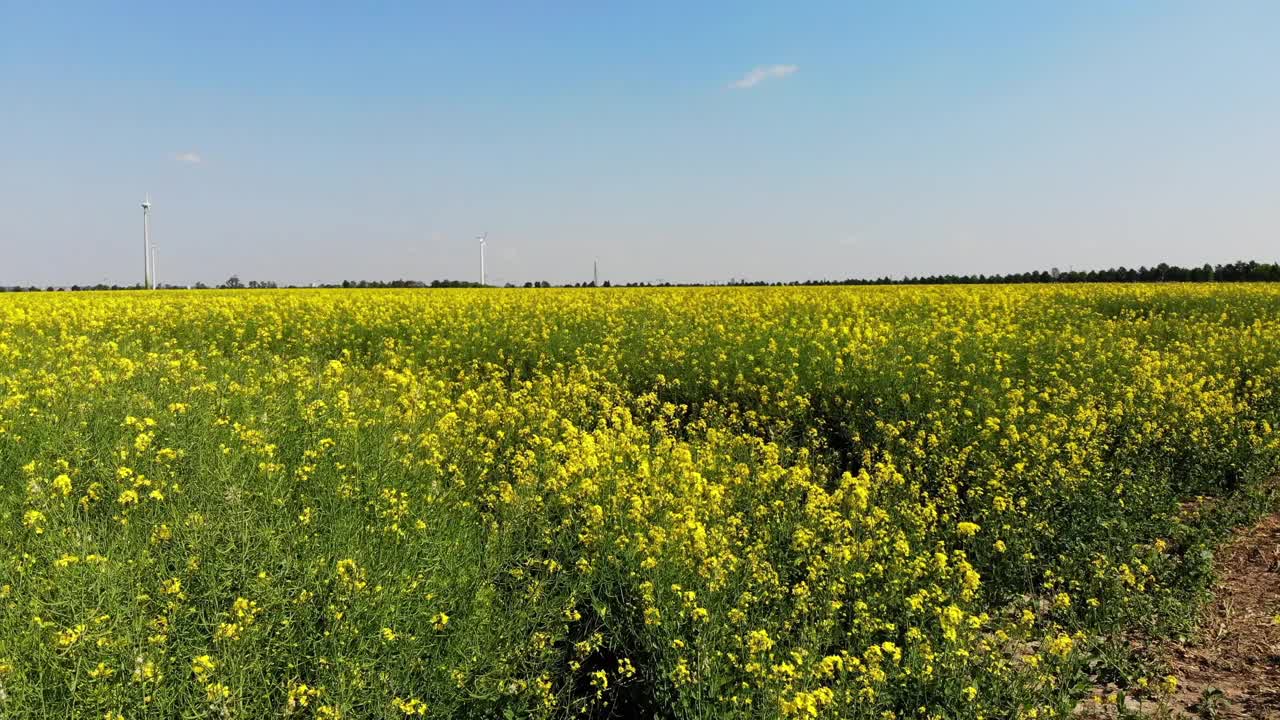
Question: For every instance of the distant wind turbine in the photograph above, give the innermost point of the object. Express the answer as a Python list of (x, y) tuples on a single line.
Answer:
[(482, 237), (147, 260)]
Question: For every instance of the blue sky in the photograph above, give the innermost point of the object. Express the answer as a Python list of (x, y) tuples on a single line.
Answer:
[(305, 142)]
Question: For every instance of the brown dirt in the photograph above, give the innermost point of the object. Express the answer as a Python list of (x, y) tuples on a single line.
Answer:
[(1237, 650), (1231, 669)]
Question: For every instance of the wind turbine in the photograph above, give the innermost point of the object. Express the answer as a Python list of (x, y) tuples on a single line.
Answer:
[(155, 274), (482, 237), (147, 259)]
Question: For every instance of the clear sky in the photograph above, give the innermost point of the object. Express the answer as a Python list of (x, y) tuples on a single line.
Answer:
[(317, 141)]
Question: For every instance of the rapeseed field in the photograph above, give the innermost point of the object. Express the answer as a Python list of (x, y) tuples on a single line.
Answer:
[(689, 503)]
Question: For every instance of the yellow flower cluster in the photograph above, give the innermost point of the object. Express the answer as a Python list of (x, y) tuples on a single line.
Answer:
[(724, 502)]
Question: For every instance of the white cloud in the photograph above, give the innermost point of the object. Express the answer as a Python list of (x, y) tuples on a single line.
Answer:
[(762, 73), (190, 158)]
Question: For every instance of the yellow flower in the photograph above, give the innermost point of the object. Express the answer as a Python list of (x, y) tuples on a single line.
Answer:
[(758, 641), (1060, 645), (202, 666), (34, 519), (412, 706), (301, 695), (350, 575), (70, 636)]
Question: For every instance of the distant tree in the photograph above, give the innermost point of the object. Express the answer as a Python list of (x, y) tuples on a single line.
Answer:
[(1239, 271)]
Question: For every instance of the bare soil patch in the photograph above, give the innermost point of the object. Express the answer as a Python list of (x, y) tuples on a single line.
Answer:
[(1231, 668)]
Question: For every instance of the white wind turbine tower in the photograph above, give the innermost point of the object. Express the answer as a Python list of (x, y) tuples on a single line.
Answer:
[(482, 237), (147, 258), (155, 274)]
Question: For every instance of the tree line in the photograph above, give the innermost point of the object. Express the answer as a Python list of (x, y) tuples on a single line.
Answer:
[(1240, 271)]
